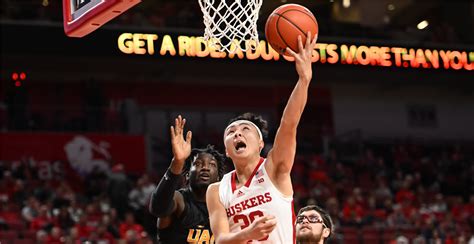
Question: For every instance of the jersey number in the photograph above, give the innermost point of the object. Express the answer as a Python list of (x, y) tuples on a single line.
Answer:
[(247, 220)]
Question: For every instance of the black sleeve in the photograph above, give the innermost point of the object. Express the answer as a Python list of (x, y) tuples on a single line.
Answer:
[(161, 200)]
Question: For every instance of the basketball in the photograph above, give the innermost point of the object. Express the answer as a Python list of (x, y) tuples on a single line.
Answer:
[(284, 25)]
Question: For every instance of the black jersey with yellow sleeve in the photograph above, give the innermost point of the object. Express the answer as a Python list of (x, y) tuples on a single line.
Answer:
[(191, 227)]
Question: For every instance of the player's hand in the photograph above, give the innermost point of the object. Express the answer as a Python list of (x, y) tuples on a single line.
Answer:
[(181, 147), (303, 57), (261, 228)]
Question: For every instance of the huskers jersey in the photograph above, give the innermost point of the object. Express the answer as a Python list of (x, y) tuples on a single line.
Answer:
[(257, 198)]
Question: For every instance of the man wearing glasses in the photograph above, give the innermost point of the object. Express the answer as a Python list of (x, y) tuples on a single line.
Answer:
[(313, 225)]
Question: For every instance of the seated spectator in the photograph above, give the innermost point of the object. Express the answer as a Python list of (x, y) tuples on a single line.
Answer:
[(112, 223), (93, 213), (352, 213), (55, 236), (64, 219), (404, 193), (82, 228), (101, 235), (8, 216), (43, 220), (397, 218), (130, 229), (41, 236), (382, 192), (140, 194), (401, 239), (7, 186)]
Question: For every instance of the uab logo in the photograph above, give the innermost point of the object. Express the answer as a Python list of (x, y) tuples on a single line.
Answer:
[(200, 236)]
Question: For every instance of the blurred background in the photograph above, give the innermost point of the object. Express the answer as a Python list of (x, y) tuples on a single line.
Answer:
[(386, 148)]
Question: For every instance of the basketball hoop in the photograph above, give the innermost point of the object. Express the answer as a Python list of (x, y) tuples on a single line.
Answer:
[(230, 24)]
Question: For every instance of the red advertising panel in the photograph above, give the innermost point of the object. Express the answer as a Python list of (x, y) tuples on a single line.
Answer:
[(82, 152)]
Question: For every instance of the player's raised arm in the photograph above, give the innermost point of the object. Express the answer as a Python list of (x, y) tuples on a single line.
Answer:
[(257, 230), (284, 147), (164, 199)]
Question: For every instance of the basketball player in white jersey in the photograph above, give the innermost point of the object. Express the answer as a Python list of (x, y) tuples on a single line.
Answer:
[(255, 201)]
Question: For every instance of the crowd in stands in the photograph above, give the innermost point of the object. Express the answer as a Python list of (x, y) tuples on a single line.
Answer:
[(102, 206), (391, 193), (417, 192)]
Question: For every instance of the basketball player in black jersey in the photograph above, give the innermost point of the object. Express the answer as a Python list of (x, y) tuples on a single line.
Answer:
[(182, 214)]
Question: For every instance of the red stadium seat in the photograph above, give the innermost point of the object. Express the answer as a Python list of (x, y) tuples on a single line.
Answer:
[(370, 230), (389, 234), (23, 241), (350, 234), (410, 233), (29, 234), (351, 238), (365, 180), (371, 235), (5, 240), (370, 239), (7, 236), (16, 226), (348, 231)]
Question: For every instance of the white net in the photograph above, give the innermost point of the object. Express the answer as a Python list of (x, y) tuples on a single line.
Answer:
[(230, 23)]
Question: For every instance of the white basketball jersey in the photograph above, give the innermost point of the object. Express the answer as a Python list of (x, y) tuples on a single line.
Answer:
[(258, 197)]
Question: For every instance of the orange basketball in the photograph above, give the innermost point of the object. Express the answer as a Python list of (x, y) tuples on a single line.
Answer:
[(285, 24)]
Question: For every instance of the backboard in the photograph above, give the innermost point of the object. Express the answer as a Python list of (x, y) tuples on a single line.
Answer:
[(82, 17)]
